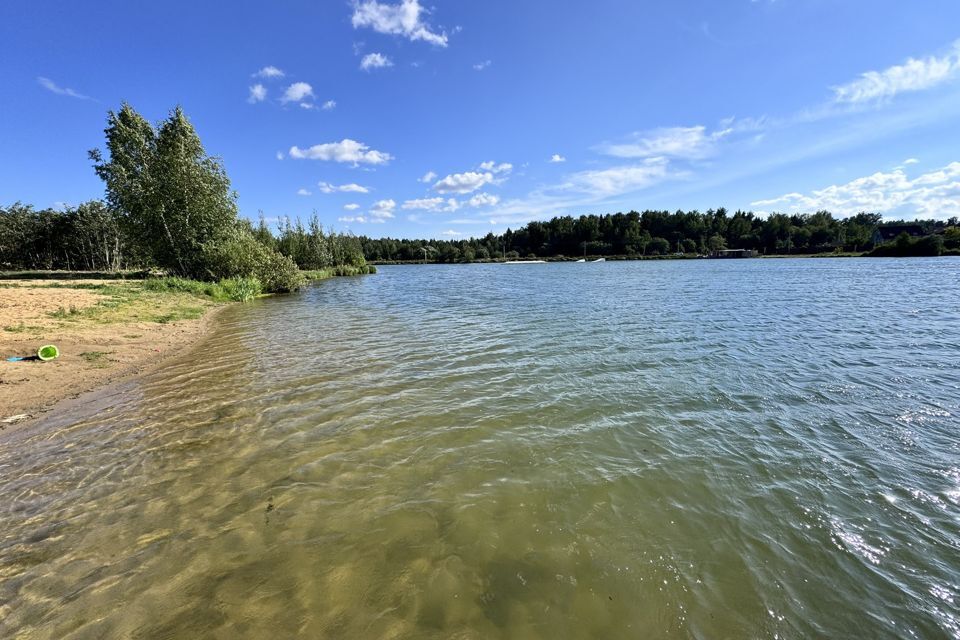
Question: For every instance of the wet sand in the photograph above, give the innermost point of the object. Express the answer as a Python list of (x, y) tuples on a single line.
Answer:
[(93, 353)]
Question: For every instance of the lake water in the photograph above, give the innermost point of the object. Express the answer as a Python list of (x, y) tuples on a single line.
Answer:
[(707, 449)]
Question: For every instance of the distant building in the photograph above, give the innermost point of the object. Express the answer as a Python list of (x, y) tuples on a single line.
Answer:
[(889, 232), (733, 253)]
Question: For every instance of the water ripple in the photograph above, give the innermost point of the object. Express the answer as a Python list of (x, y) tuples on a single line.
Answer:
[(704, 449)]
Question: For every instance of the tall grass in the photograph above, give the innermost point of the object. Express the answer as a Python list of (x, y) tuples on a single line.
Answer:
[(227, 289), (342, 270)]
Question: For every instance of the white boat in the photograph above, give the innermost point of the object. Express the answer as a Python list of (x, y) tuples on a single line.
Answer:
[(600, 260), (582, 260), (525, 262)]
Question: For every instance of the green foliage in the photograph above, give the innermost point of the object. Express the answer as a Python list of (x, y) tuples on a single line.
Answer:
[(87, 237), (237, 252), (314, 249), (172, 197), (227, 289), (904, 246), (657, 234), (241, 289)]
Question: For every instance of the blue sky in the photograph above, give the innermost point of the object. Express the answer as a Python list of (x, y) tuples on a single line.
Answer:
[(451, 119)]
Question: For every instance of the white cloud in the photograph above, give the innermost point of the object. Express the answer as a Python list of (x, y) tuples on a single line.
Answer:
[(676, 142), (436, 205), (258, 93), (303, 192), (383, 209), (375, 61), (359, 219), (429, 176), (935, 194), (480, 66), (463, 182), (52, 86), (353, 206), (557, 158), (279, 155), (352, 187), (297, 92), (346, 150), (450, 232), (483, 200), (912, 75), (404, 19), (427, 204), (490, 165), (911, 161), (329, 105), (622, 179), (309, 106), (269, 72)]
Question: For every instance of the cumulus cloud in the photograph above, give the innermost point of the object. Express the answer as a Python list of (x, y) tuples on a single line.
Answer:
[(450, 232), (911, 161), (346, 150), (935, 194), (329, 105), (557, 158), (503, 167), (53, 87), (435, 205), (404, 19), (463, 182), (429, 176), (359, 219), (352, 187), (912, 75), (269, 72), (279, 155), (382, 209), (353, 206), (480, 66), (622, 179), (483, 200), (676, 142), (304, 192), (258, 93), (375, 61), (297, 92)]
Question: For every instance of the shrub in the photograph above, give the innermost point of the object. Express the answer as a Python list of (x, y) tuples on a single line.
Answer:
[(279, 274), (905, 246), (237, 253)]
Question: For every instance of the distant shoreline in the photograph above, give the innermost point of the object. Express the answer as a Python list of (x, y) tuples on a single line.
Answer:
[(778, 256)]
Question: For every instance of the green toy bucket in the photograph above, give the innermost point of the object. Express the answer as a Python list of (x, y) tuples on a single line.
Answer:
[(47, 352)]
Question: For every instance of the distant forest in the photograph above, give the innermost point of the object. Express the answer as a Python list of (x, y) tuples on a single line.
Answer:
[(662, 234)]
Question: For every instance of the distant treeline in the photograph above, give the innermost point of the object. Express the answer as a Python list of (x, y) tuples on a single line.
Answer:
[(661, 233), (168, 206)]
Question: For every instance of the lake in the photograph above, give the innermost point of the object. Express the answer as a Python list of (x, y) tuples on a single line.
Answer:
[(705, 449)]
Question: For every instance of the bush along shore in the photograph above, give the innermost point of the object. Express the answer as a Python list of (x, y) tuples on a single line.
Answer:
[(169, 208)]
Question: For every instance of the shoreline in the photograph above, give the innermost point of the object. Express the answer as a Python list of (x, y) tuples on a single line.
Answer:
[(94, 354)]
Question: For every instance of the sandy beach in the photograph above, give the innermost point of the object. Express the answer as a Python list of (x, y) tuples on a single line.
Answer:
[(105, 330)]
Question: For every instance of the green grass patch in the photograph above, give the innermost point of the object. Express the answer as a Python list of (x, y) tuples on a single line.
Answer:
[(62, 312), (180, 313), (97, 359), (226, 290)]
